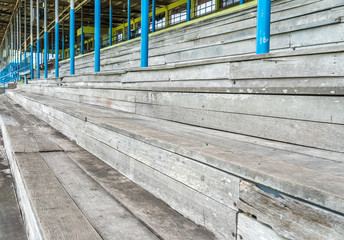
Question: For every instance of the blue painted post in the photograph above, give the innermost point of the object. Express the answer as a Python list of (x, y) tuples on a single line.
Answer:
[(242, 2), (153, 15), (37, 23), (45, 41), (263, 26), (82, 31), (56, 38), (144, 32), (128, 35), (110, 23), (188, 10), (25, 36), (97, 36), (72, 37), (16, 48)]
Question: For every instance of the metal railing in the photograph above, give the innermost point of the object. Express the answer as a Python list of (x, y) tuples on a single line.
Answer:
[(14, 71)]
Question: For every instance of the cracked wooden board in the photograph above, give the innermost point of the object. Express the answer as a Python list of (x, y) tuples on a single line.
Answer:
[(289, 217)]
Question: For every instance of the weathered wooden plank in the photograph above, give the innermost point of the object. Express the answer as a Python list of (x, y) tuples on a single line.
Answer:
[(199, 207), (216, 217), (251, 229), (301, 66), (19, 140), (299, 132), (328, 109), (157, 215), (263, 170), (289, 217), (43, 143), (11, 222), (95, 203), (48, 198)]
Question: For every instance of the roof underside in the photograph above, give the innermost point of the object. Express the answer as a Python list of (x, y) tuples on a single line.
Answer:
[(119, 13)]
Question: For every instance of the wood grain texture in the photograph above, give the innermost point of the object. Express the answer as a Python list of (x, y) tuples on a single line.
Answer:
[(290, 217), (267, 170), (250, 229)]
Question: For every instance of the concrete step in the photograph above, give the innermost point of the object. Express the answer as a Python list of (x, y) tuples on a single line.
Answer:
[(209, 176), (208, 39), (87, 199)]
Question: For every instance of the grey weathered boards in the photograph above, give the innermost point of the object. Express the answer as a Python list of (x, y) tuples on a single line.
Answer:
[(289, 217), (295, 24), (270, 97), (188, 158), (68, 193)]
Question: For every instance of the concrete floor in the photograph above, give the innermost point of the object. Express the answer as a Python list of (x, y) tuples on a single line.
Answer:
[(11, 223)]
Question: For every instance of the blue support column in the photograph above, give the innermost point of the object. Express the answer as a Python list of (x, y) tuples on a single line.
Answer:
[(128, 31), (242, 2), (31, 57), (188, 10), (72, 37), (97, 36), (46, 51), (38, 73), (82, 32), (110, 23), (25, 36), (144, 32), (37, 23), (153, 15), (57, 38), (263, 26)]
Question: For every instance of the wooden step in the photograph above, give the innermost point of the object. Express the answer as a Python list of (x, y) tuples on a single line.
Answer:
[(95, 202), (208, 165)]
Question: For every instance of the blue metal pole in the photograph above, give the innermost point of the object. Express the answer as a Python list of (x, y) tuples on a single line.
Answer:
[(263, 26), (72, 37), (82, 31), (31, 62), (45, 41), (144, 32), (128, 35), (45, 54), (57, 38), (153, 16), (110, 23), (97, 36), (242, 2), (188, 10), (82, 40), (37, 23)]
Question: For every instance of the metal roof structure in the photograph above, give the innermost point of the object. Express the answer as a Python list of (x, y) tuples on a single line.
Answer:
[(119, 13)]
